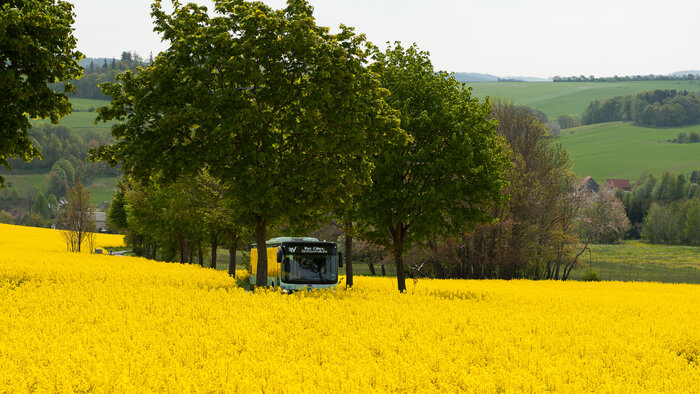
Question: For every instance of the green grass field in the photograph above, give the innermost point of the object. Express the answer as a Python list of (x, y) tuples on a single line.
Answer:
[(631, 261), (571, 98), (101, 189), (84, 104), (81, 120), (637, 261), (622, 150)]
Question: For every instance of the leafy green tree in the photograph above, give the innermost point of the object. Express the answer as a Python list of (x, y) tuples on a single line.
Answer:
[(57, 182), (692, 223), (34, 220), (41, 207), (116, 213), (445, 178), (52, 203), (37, 48), (276, 108)]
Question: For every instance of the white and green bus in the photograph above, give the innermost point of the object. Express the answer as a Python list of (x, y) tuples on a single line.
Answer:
[(296, 263)]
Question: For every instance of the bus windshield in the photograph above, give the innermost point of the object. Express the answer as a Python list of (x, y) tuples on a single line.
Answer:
[(309, 268)]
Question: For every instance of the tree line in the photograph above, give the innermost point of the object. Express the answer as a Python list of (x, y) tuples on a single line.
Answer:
[(652, 108), (87, 86), (627, 78), (268, 122), (663, 210)]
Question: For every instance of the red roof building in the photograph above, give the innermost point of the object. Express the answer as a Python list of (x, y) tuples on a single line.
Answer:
[(623, 184)]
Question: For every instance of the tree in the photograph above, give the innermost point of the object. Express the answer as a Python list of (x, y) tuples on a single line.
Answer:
[(445, 178), (568, 121), (41, 207), (57, 182), (533, 235), (77, 217), (276, 108), (603, 218), (38, 48), (52, 203), (692, 223), (34, 220)]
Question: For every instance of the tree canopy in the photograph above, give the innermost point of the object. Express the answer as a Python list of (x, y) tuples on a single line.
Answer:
[(278, 109), (653, 108), (454, 167), (37, 48)]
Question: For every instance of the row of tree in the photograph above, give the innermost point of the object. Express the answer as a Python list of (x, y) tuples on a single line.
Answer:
[(534, 235), (87, 86), (659, 208), (293, 126), (627, 78), (686, 138), (296, 125), (653, 108)]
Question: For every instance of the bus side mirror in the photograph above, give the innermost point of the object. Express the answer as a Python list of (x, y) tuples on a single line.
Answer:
[(280, 254), (340, 259)]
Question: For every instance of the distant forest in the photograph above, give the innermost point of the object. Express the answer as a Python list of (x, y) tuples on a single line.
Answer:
[(628, 78), (96, 73), (653, 108), (64, 154)]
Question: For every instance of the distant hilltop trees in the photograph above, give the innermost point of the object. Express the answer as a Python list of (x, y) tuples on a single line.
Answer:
[(650, 77), (653, 108), (98, 71)]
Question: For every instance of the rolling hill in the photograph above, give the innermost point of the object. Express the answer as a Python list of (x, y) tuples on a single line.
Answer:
[(559, 98), (623, 150)]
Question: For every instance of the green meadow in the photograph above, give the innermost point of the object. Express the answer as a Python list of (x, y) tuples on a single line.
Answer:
[(622, 150), (638, 261), (101, 188), (82, 119), (570, 98)]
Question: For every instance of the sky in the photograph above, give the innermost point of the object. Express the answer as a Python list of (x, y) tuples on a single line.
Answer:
[(535, 38)]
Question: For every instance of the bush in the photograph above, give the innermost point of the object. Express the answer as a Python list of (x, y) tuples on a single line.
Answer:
[(591, 276), (6, 217), (568, 121)]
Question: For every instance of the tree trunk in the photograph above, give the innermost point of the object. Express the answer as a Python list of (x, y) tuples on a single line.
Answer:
[(199, 252), (348, 260), (147, 249), (260, 235), (383, 269), (182, 249), (371, 269), (214, 246), (155, 251), (398, 236), (232, 248), (190, 247)]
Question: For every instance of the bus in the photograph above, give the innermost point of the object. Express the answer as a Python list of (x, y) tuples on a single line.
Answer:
[(296, 263)]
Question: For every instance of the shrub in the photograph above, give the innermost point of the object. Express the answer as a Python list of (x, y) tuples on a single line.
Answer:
[(591, 276)]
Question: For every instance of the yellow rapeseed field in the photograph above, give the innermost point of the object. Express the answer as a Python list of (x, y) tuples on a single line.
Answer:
[(80, 322)]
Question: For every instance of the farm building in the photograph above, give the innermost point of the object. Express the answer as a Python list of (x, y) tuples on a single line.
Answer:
[(623, 184), (588, 184)]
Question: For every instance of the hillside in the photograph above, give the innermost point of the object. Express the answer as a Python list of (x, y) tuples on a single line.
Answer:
[(80, 121), (623, 150), (571, 98)]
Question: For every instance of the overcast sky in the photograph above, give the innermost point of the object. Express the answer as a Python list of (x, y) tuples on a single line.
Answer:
[(539, 38)]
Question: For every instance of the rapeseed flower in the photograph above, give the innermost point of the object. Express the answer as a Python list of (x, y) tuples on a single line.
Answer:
[(83, 322)]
